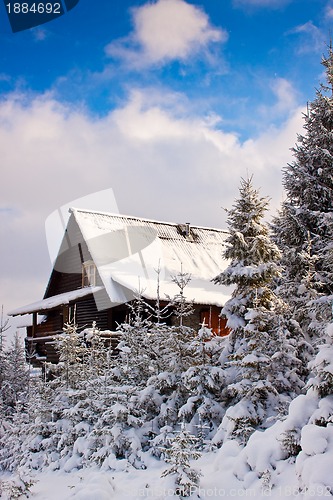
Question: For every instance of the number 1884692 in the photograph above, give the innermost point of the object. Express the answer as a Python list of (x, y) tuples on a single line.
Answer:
[(35, 8)]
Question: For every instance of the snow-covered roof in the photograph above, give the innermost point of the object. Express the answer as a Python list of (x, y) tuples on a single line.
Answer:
[(55, 301), (26, 320), (128, 251), (135, 255)]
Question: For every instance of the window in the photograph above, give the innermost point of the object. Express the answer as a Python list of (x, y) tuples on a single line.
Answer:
[(88, 274)]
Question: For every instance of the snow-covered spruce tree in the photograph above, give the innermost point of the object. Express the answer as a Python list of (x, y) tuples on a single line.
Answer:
[(303, 230), (31, 438), (182, 308), (136, 349), (176, 355), (140, 358), (65, 400), (259, 359), (322, 371), (178, 454), (306, 434), (15, 379), (204, 382), (103, 417), (98, 352), (153, 356), (72, 351), (116, 433)]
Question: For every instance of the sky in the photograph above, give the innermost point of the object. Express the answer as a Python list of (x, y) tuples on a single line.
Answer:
[(160, 106)]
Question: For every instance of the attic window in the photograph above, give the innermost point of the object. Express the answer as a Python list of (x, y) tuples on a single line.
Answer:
[(88, 274)]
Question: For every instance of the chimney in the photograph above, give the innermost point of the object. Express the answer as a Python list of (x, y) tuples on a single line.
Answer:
[(187, 229)]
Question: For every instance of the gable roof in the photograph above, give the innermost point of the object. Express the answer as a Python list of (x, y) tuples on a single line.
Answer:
[(135, 255), (128, 251)]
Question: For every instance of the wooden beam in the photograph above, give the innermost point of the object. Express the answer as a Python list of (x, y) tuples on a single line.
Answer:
[(34, 324), (65, 314)]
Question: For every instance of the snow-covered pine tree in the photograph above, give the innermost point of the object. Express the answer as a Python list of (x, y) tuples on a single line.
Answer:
[(204, 381), (322, 370), (303, 230), (260, 355), (136, 350), (15, 383), (176, 355), (72, 351), (307, 429), (98, 352), (182, 308), (116, 433), (178, 454)]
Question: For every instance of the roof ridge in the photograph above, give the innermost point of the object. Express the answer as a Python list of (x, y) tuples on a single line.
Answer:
[(74, 210)]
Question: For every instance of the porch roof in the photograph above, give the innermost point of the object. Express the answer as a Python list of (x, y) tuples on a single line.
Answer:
[(53, 302)]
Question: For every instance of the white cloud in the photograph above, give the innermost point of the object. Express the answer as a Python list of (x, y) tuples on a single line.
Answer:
[(139, 121), (166, 30), (285, 94), (313, 39), (286, 100), (329, 10), (161, 160)]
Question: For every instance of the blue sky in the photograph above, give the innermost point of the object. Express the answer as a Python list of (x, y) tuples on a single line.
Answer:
[(231, 64), (168, 103)]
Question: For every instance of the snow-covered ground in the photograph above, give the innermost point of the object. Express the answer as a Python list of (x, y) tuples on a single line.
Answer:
[(260, 470), (218, 481)]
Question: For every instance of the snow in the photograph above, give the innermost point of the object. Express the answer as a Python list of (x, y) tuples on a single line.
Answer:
[(314, 439), (26, 321), (55, 301), (225, 474), (316, 469), (140, 247), (324, 410)]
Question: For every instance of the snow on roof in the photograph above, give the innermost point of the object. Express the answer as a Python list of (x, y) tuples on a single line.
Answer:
[(128, 251), (135, 255), (26, 320), (55, 301)]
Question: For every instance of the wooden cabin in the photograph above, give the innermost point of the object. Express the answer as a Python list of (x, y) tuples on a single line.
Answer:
[(106, 260)]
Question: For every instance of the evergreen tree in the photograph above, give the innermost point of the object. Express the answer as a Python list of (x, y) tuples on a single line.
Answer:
[(169, 353), (179, 454), (322, 370), (304, 227), (182, 308), (177, 353), (260, 358), (136, 349), (116, 432), (15, 379), (72, 351), (204, 381)]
